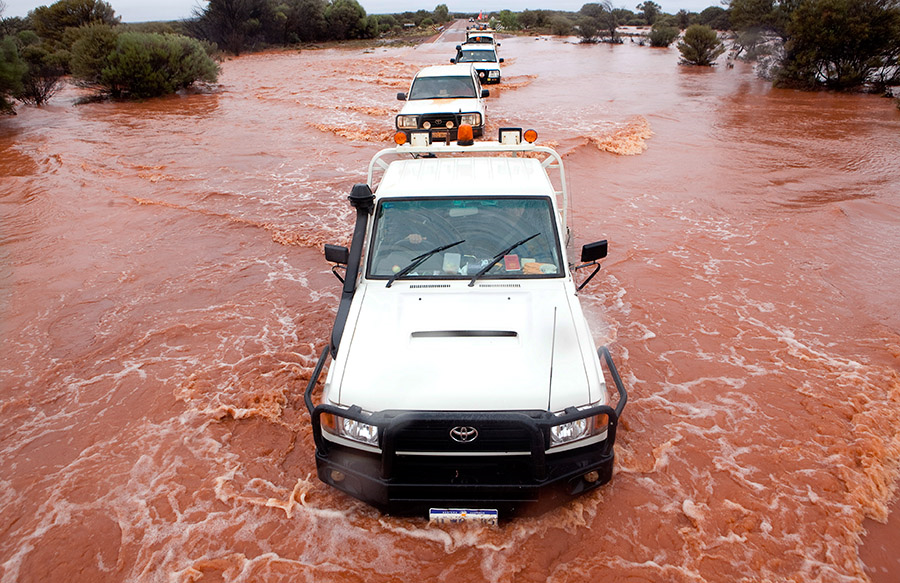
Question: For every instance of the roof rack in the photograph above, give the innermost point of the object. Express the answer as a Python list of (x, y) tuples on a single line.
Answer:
[(549, 158)]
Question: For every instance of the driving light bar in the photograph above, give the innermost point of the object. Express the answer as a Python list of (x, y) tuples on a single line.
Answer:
[(510, 136)]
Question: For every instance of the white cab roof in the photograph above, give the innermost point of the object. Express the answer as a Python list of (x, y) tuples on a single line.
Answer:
[(460, 70), (493, 176)]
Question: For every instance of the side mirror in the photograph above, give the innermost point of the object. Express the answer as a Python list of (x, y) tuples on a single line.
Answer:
[(458, 47), (401, 96), (594, 251), (453, 61), (338, 254), (485, 93), (501, 59)]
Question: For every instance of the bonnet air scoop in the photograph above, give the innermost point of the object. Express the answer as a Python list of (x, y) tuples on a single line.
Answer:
[(465, 334)]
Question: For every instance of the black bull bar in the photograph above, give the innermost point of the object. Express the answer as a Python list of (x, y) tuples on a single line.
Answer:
[(535, 424)]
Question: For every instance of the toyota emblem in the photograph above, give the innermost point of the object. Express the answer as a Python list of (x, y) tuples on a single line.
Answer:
[(464, 434)]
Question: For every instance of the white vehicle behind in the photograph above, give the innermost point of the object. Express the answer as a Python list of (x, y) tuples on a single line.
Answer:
[(442, 98), (481, 37), (483, 57)]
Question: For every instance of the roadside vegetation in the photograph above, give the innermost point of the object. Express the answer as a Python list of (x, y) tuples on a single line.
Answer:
[(833, 44), (700, 46), (807, 44), (84, 41)]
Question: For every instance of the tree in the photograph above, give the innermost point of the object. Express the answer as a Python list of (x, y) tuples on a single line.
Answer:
[(761, 15), (650, 11), (308, 22), (45, 69), (560, 25), (534, 18), (347, 19), (842, 44), (234, 25), (597, 19), (12, 69), (508, 20), (588, 29), (441, 13), (715, 17), (142, 64), (700, 46), (51, 22), (663, 36), (90, 52)]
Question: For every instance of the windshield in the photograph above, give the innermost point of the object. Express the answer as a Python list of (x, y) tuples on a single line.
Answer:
[(480, 39), (442, 88), (407, 228), (467, 56)]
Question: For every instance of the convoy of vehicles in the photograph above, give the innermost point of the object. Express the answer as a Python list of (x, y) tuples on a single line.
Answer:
[(464, 383)]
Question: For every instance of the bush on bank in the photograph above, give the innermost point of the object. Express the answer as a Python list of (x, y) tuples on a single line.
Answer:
[(834, 44), (140, 65), (12, 68), (663, 36), (700, 46)]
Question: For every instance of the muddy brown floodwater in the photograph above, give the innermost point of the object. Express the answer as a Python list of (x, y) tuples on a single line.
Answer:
[(164, 297)]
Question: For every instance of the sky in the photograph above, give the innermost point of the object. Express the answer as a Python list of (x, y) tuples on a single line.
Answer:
[(144, 10)]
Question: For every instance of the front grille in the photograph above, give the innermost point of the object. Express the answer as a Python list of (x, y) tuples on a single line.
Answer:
[(435, 436), (438, 120)]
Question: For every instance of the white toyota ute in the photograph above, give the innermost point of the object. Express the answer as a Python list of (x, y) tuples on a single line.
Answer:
[(442, 98), (464, 381), (483, 57)]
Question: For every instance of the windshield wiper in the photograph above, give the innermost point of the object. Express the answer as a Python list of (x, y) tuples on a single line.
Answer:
[(498, 256), (418, 260)]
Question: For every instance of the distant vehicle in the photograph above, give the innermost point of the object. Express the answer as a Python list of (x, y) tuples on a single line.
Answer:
[(481, 37), (484, 57), (440, 99), (465, 381)]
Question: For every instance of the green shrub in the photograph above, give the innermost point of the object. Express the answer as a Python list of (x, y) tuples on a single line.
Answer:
[(560, 25), (45, 69), (51, 22), (663, 36), (142, 64), (842, 44), (12, 69), (700, 46), (91, 48)]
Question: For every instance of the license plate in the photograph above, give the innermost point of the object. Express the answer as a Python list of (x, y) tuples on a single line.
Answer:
[(439, 135), (461, 515)]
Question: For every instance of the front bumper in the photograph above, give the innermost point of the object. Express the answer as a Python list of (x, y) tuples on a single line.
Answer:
[(508, 468), (495, 482), (437, 125), (486, 78)]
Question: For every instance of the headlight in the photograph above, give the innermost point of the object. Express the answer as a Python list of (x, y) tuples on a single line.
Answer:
[(407, 122), (350, 429), (472, 119), (493, 74), (578, 429)]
